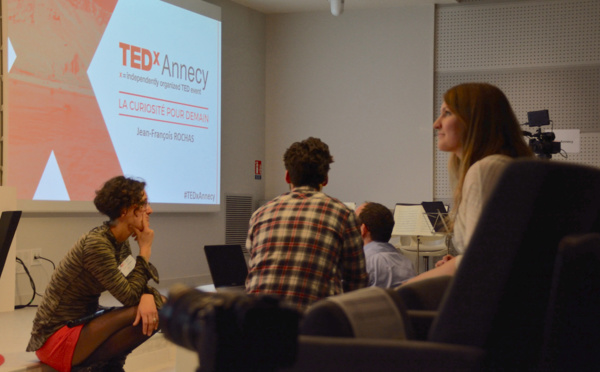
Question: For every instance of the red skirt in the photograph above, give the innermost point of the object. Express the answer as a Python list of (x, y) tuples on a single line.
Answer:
[(59, 348)]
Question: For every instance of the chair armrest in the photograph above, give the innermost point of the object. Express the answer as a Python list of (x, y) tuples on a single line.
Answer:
[(424, 294), (317, 354)]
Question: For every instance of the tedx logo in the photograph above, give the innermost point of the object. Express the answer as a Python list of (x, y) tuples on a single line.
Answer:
[(138, 57)]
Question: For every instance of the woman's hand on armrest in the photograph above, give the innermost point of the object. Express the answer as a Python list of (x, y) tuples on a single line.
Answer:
[(444, 259)]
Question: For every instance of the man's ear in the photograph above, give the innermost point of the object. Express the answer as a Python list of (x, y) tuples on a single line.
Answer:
[(363, 230), (324, 183), (287, 177)]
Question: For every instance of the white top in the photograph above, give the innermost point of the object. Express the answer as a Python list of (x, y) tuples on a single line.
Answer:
[(479, 184)]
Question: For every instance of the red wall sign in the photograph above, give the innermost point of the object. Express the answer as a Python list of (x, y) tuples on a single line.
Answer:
[(257, 169)]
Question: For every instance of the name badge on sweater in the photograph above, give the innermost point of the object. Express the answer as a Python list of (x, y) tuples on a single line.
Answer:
[(127, 265)]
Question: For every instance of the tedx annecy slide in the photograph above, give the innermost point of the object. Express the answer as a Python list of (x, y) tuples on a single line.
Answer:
[(101, 88)]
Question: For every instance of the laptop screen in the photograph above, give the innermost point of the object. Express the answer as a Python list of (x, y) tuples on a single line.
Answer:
[(227, 265), (9, 220)]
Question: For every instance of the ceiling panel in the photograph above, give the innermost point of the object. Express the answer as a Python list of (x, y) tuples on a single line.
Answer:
[(296, 6)]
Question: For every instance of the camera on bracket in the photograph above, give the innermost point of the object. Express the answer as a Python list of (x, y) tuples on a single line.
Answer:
[(543, 144)]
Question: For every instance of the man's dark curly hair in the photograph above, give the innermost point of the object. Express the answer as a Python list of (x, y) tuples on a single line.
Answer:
[(118, 194), (307, 162), (379, 220)]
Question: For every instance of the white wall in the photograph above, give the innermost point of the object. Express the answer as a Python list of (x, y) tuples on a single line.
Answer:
[(542, 54), (178, 248), (8, 202), (363, 83)]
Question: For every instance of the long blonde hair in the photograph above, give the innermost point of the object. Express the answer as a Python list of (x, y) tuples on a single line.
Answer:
[(490, 127)]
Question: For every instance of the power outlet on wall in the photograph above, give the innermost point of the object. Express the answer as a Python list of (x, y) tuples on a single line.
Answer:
[(28, 256)]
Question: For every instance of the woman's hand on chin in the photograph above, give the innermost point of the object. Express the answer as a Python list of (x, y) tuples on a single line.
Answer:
[(144, 237)]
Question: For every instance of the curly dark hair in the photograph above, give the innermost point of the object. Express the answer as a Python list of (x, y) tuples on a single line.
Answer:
[(379, 220), (307, 162), (118, 194)]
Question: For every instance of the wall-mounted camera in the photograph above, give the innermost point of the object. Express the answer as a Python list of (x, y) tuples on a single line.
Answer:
[(543, 144)]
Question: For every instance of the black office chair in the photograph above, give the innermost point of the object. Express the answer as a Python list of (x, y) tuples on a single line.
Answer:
[(572, 334), (492, 314)]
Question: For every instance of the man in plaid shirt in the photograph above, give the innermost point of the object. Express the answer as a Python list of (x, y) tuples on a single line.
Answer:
[(305, 245)]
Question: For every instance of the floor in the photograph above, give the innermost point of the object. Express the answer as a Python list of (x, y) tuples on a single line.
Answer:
[(155, 355)]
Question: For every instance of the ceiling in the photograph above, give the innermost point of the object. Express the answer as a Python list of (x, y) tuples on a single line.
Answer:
[(296, 6)]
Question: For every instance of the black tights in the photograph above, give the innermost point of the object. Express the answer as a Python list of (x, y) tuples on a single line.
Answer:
[(108, 336)]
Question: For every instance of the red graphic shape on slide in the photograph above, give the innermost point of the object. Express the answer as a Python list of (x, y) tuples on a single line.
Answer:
[(51, 106)]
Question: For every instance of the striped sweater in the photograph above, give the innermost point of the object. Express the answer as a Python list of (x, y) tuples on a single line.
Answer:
[(90, 268)]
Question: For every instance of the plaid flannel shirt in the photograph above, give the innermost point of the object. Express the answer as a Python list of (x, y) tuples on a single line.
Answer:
[(304, 246)]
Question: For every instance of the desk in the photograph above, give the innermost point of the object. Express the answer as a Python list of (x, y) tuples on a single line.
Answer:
[(423, 247), (418, 226)]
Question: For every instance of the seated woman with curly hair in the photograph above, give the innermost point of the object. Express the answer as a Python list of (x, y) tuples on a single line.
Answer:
[(67, 330)]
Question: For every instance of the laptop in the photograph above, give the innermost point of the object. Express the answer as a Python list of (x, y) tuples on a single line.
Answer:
[(9, 220), (436, 212), (228, 267)]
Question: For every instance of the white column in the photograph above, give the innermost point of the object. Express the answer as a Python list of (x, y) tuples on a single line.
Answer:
[(8, 202)]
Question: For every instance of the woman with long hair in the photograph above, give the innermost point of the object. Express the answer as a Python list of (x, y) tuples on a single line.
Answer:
[(479, 129)]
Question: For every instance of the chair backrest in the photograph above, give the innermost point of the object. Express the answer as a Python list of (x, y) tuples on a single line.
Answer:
[(500, 293), (572, 335)]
